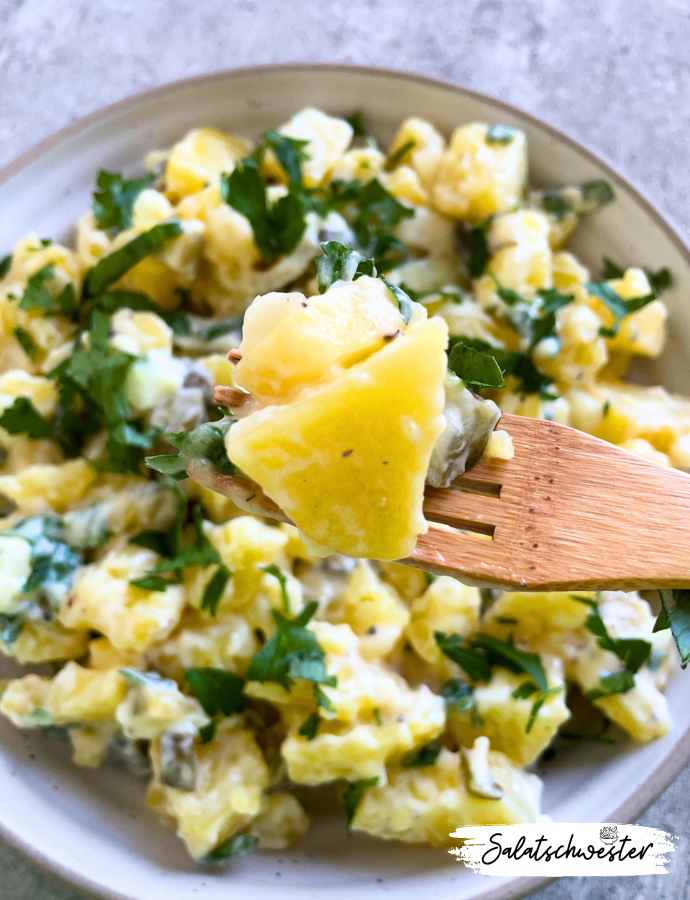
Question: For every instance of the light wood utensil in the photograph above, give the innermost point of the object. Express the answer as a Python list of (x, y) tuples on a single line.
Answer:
[(568, 512)]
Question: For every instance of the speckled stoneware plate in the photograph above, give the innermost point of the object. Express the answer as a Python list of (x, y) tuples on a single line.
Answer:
[(91, 827)]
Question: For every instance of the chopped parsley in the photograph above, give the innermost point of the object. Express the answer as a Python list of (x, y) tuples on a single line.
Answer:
[(506, 654), (633, 651), (278, 574), (553, 202), (22, 417), (238, 846), (114, 200), (425, 756), (291, 653), (472, 659), (36, 295), (616, 304), (378, 212), (289, 153), (538, 703), (27, 343), (459, 695), (341, 263), (310, 726), (512, 362), (200, 553), (111, 268), (5, 265), (353, 796), (615, 683), (219, 692), (401, 152), (356, 123), (474, 367), (675, 614), (500, 134), (205, 442), (214, 589), (277, 227)]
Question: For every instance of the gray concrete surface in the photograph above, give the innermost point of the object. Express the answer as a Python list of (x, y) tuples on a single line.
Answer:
[(614, 73)]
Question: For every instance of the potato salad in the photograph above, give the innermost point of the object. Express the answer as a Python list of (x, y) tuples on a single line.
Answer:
[(397, 300)]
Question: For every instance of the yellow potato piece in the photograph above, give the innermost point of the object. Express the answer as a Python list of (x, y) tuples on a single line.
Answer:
[(347, 461), (290, 342)]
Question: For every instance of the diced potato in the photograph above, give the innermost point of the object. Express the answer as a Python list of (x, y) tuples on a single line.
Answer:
[(499, 446), (348, 497), (199, 159), (49, 488), (449, 606), (229, 644), (358, 165), (328, 138), (41, 642), (427, 804), (231, 775), (476, 179), (290, 343), (374, 612), (131, 617), (281, 822), (425, 148), (504, 718)]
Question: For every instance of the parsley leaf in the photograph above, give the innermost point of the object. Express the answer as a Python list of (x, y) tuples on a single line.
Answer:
[(472, 659), (290, 154), (36, 295), (618, 306), (111, 268), (356, 123), (291, 652), (611, 270), (459, 695), (616, 683), (676, 606), (341, 263), (475, 368), (277, 228), (23, 418), (11, 625), (479, 252), (114, 201), (555, 204), (660, 280), (200, 553), (404, 302), (507, 655), (378, 212), (512, 362), (425, 756), (218, 691), (597, 193), (214, 589), (239, 845), (353, 796), (526, 689), (500, 134), (205, 442), (27, 343), (278, 573), (310, 726), (538, 703), (396, 157), (5, 265), (633, 651)]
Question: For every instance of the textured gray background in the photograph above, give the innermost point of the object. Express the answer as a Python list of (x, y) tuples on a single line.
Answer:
[(614, 73)]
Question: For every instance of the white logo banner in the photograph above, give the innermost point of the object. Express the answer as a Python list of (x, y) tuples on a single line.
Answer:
[(556, 849)]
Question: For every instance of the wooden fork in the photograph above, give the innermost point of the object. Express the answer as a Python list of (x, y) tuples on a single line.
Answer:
[(568, 512)]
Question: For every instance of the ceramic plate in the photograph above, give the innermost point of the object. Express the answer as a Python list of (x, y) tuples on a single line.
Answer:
[(91, 827)]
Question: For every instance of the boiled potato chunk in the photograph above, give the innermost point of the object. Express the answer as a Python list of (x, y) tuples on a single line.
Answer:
[(347, 461), (290, 342)]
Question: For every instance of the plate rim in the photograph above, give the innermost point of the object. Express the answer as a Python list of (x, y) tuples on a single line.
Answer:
[(679, 757)]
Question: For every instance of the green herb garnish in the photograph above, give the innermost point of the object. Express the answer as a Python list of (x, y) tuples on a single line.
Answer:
[(474, 367), (114, 200), (353, 796), (219, 692), (500, 134), (214, 589)]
